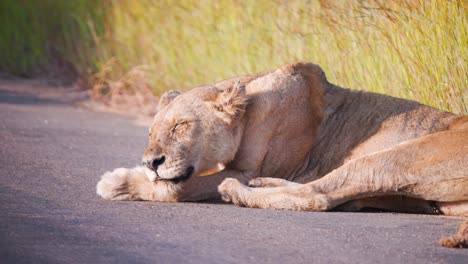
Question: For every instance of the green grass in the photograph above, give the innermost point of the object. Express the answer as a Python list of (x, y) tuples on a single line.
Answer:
[(414, 49), (36, 34)]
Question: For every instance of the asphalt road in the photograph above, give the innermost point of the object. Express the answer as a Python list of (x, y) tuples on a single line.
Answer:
[(52, 155)]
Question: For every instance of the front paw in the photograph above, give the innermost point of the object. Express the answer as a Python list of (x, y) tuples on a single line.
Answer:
[(115, 185), (232, 190)]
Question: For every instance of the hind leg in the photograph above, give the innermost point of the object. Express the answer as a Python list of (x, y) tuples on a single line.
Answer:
[(431, 168), (400, 204)]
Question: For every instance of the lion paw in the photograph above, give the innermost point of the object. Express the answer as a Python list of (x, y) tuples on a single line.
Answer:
[(459, 240), (115, 185), (319, 203), (232, 190), (303, 199)]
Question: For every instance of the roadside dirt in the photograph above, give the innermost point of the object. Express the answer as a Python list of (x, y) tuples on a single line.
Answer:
[(141, 107)]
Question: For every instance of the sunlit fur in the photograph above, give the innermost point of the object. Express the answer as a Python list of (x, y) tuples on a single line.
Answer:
[(344, 149)]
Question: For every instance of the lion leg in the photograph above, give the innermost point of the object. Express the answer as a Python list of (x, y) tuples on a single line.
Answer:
[(139, 184), (125, 184), (459, 240), (299, 197), (135, 184), (431, 168), (271, 182)]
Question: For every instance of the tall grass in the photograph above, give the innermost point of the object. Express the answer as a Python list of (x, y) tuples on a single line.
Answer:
[(414, 49), (35, 36)]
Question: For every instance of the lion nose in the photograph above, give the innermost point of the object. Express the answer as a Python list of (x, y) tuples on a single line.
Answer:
[(154, 164)]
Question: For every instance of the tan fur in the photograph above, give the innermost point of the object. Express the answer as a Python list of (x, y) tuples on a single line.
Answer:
[(311, 144), (134, 184), (459, 240)]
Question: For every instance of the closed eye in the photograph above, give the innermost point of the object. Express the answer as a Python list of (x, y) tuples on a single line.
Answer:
[(178, 126)]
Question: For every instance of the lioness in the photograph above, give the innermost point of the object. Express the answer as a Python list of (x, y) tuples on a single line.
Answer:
[(310, 144)]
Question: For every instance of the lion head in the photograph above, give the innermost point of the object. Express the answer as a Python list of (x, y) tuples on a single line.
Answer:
[(194, 131)]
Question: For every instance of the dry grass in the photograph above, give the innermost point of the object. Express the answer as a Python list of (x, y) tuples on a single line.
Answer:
[(129, 94), (414, 49)]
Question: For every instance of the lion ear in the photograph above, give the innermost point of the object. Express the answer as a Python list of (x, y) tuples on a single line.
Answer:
[(230, 103), (167, 97)]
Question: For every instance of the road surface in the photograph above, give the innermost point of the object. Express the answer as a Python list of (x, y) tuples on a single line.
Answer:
[(52, 155)]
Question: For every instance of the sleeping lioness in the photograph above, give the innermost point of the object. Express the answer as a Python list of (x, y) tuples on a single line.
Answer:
[(300, 143)]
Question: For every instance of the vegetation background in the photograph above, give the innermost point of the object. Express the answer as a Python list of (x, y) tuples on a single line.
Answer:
[(415, 49)]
